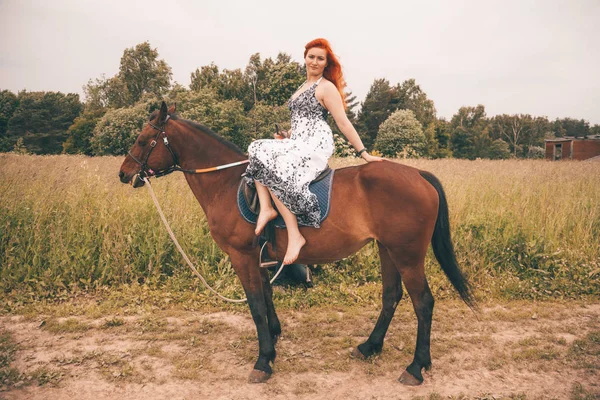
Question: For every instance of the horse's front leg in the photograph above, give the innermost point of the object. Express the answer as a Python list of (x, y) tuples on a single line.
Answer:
[(273, 320), (246, 266)]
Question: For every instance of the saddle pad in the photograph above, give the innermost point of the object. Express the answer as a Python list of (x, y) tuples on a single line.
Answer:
[(322, 189)]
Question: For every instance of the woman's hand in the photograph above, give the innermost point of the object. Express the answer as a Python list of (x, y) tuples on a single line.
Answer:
[(281, 135), (369, 158)]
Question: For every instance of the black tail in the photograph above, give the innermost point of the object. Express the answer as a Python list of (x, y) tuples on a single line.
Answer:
[(442, 245)]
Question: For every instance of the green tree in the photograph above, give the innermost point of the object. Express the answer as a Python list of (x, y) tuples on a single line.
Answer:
[(376, 108), (342, 147), (439, 147), (142, 72), (80, 133), (410, 96), (469, 132), (226, 117), (8, 104), (272, 82), (116, 131), (498, 150), (42, 119), (228, 84), (401, 133), (205, 77), (571, 127), (517, 130), (262, 119)]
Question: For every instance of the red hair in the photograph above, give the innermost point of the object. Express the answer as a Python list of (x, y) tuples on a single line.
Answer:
[(333, 70)]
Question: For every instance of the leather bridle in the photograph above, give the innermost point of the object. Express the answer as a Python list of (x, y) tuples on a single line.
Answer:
[(146, 172)]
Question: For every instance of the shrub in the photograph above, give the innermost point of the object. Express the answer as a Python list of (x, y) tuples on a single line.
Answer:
[(401, 133)]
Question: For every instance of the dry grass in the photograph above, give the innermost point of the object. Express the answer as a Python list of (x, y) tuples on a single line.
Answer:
[(522, 229)]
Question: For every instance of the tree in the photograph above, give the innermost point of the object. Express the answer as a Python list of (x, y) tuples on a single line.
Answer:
[(226, 117), (514, 129), (8, 104), (410, 96), (342, 146), (80, 133), (498, 150), (42, 119), (262, 119), (571, 127), (272, 82), (440, 146), (206, 77), (376, 108), (401, 133), (142, 72), (469, 132), (116, 131)]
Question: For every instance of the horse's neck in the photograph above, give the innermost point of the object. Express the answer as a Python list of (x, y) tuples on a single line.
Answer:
[(214, 190)]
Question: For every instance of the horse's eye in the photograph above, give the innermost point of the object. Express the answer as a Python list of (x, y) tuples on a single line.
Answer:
[(142, 143)]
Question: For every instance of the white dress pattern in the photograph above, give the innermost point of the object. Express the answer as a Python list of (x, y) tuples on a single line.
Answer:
[(287, 166)]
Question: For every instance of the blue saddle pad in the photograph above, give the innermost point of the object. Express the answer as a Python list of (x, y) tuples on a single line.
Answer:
[(322, 189)]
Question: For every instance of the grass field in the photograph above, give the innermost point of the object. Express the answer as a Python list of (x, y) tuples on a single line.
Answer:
[(522, 229)]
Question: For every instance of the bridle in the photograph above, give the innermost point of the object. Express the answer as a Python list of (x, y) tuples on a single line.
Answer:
[(146, 172)]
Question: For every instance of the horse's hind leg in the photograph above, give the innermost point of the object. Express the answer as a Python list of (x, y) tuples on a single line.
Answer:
[(273, 321), (413, 275), (392, 293)]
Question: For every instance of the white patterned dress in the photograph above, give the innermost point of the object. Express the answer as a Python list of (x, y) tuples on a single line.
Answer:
[(287, 166)]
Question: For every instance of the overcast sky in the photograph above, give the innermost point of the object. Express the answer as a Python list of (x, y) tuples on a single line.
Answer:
[(536, 57)]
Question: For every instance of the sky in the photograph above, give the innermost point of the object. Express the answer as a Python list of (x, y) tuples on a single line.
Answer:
[(514, 57)]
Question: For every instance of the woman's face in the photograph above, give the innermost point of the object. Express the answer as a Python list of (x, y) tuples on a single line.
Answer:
[(316, 61)]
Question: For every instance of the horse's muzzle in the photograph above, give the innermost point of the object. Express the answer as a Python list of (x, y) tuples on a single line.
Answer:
[(136, 181)]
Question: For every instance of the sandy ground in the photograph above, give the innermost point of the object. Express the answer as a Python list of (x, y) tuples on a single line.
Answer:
[(514, 350)]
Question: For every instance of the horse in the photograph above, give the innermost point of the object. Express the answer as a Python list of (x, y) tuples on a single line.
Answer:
[(402, 208)]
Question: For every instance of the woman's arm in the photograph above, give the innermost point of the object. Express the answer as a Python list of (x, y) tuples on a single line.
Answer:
[(333, 102)]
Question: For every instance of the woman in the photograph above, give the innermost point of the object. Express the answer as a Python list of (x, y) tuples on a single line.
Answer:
[(282, 168)]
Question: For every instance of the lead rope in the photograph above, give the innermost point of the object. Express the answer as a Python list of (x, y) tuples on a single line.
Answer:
[(187, 260)]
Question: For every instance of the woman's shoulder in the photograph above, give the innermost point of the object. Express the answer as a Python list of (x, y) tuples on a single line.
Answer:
[(326, 83), (326, 86)]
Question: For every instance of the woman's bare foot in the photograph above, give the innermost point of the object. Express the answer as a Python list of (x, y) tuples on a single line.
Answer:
[(263, 218), (295, 243)]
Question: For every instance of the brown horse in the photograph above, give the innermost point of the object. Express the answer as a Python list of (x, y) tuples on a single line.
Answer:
[(403, 209)]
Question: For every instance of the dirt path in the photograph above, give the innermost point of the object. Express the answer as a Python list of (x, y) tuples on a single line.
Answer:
[(514, 350)]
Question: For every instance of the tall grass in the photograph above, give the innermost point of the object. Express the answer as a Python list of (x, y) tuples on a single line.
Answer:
[(522, 229)]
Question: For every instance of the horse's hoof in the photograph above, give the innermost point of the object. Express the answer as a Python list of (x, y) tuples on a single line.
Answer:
[(357, 354), (257, 376), (409, 380)]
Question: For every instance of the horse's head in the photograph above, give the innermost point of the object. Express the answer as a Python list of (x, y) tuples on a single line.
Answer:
[(151, 153)]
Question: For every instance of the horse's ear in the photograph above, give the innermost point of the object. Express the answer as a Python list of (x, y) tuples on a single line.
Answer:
[(172, 108), (162, 115)]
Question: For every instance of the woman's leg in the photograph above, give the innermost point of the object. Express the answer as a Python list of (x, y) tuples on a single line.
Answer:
[(295, 238), (267, 212)]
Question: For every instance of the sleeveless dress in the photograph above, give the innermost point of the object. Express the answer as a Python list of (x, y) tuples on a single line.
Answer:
[(287, 166)]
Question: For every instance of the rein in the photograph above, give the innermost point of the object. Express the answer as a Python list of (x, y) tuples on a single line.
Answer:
[(146, 172), (186, 258)]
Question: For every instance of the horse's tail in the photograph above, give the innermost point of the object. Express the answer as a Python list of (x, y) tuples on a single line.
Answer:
[(442, 245)]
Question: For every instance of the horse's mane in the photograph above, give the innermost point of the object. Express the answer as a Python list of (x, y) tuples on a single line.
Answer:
[(204, 129)]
